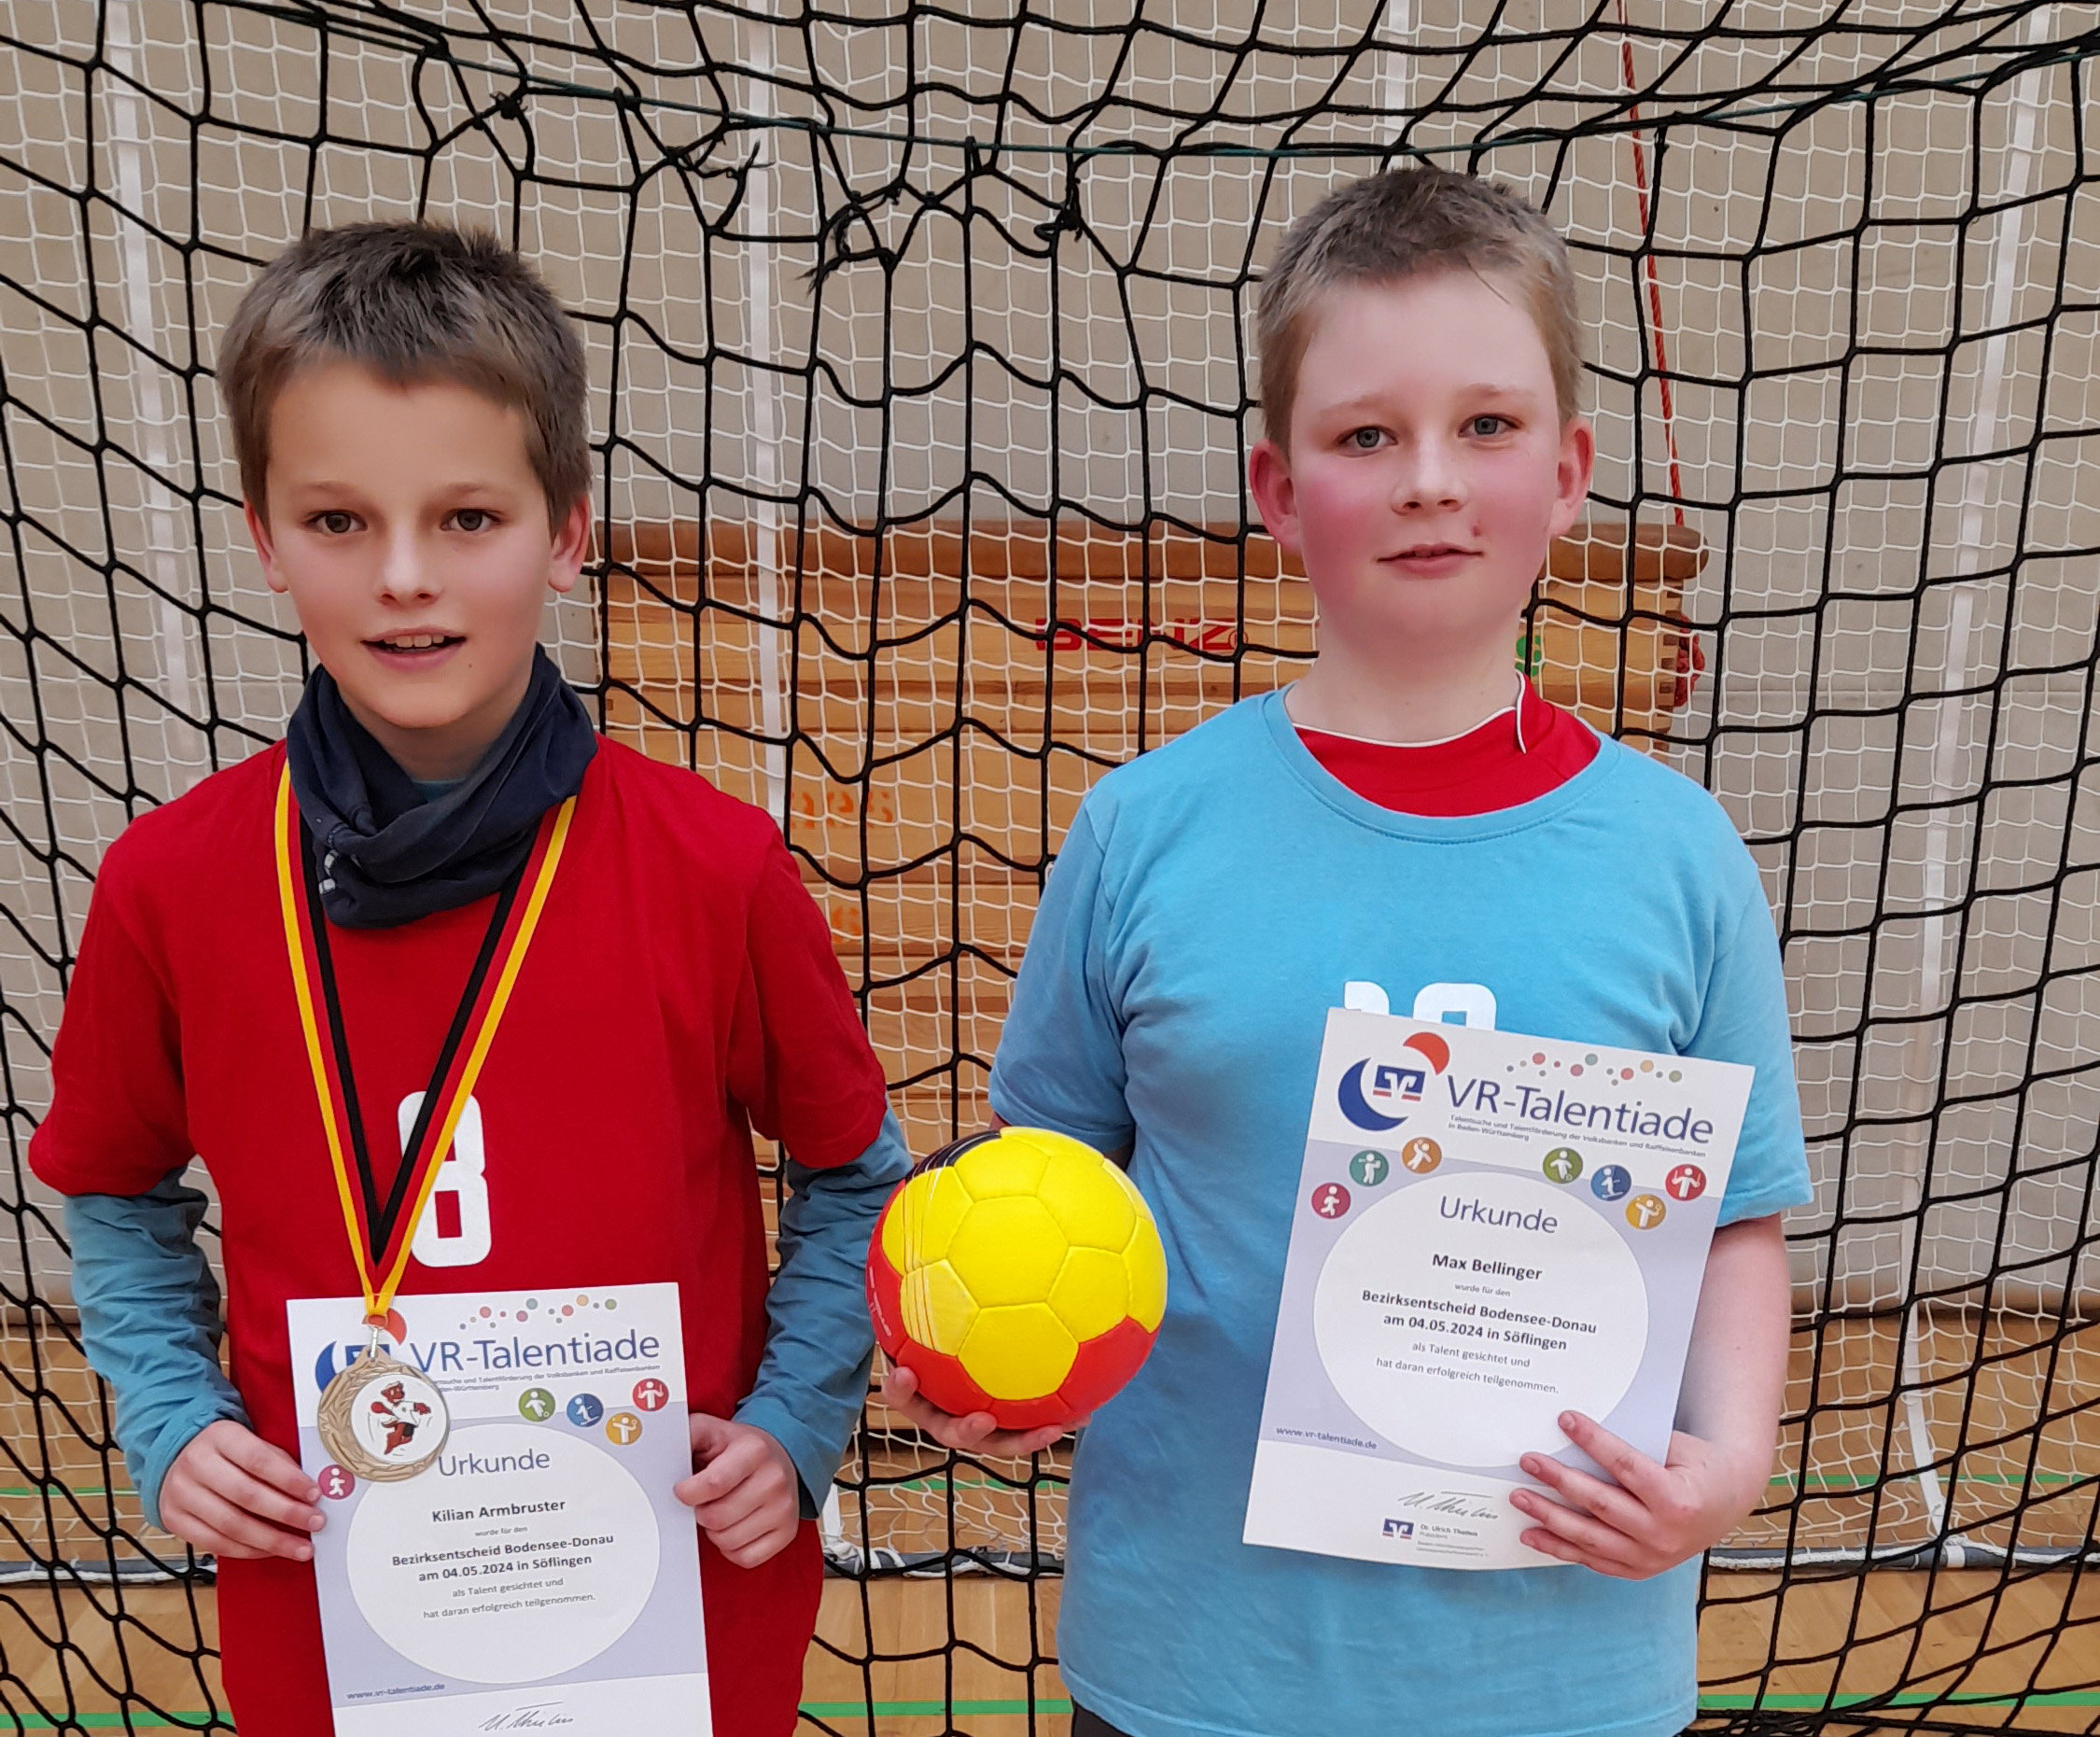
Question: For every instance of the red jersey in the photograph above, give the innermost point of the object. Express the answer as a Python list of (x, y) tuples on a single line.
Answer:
[(1481, 772), (680, 991)]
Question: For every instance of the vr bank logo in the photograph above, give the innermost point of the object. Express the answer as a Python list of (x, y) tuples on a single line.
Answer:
[(334, 1358), (1391, 1084), (340, 1356)]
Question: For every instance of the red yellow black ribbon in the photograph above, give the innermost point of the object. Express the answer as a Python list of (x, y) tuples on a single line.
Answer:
[(380, 1230)]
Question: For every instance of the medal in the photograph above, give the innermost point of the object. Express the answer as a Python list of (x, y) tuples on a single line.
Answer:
[(381, 1418)]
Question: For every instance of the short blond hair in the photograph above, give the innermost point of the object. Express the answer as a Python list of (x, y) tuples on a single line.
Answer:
[(413, 303), (1407, 223)]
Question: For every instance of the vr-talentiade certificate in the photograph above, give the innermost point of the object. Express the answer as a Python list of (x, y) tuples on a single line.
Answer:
[(1489, 1230), (537, 1574)]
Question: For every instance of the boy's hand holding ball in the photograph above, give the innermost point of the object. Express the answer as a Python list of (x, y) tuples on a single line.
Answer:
[(977, 1431), (1016, 1281)]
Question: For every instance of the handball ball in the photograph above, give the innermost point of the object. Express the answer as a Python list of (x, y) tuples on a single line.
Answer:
[(1016, 1272)]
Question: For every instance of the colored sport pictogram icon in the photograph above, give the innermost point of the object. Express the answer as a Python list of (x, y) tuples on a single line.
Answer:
[(335, 1483), (1421, 1155), (1370, 1168), (537, 1404), (651, 1395), (1612, 1182), (1644, 1211), (1330, 1199), (1687, 1181), (1563, 1164), (585, 1410), (623, 1428)]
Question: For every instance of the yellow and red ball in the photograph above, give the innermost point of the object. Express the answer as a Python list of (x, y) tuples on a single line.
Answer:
[(1017, 1272)]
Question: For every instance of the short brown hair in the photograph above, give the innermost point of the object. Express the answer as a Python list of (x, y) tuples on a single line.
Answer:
[(1404, 223), (412, 301)]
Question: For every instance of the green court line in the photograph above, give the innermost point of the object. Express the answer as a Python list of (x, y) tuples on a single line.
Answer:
[(1708, 1703), (77, 1490), (1848, 1480), (1051, 1705), (934, 1484), (1916, 1697), (926, 1709), (107, 1722), (920, 1486)]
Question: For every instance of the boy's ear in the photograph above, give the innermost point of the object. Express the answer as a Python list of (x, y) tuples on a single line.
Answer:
[(572, 547), (1269, 481), (1578, 462), (266, 551)]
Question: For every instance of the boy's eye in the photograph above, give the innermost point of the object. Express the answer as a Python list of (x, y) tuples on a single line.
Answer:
[(334, 523), (1366, 440), (1486, 426), (472, 519)]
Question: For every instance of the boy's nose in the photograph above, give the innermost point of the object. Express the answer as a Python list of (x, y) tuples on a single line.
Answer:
[(405, 572), (1429, 479)]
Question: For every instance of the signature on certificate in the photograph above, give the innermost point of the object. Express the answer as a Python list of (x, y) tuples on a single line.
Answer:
[(544, 1717), (1452, 1502)]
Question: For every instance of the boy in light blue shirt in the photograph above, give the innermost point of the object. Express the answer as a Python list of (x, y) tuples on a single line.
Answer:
[(1420, 362)]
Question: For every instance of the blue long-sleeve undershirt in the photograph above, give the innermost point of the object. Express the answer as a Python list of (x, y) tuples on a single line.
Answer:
[(150, 1316), (819, 1344), (149, 1320)]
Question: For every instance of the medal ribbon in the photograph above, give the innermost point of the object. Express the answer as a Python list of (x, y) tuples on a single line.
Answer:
[(381, 1232)]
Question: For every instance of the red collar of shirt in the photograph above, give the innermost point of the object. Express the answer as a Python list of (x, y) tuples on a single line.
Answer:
[(1477, 773)]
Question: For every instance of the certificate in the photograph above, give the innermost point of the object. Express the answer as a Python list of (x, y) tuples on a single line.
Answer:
[(1489, 1230), (537, 1572)]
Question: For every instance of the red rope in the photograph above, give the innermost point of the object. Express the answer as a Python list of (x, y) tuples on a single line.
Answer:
[(1655, 285)]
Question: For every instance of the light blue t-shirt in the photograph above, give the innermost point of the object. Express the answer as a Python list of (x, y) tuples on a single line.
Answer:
[(1212, 899)]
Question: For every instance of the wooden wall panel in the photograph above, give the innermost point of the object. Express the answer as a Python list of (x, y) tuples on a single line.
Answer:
[(951, 699), (894, 640)]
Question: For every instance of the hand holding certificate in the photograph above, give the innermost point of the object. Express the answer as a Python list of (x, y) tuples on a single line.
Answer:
[(1492, 1232), (1646, 1517)]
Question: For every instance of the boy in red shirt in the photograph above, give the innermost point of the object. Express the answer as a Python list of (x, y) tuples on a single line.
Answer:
[(408, 405)]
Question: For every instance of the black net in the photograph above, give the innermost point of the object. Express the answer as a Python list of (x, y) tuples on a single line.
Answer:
[(919, 348)]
